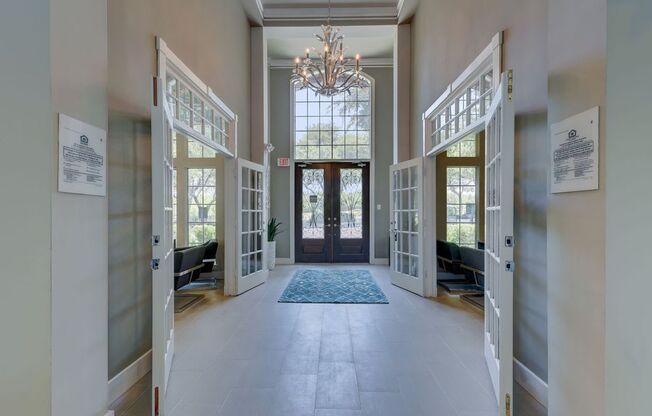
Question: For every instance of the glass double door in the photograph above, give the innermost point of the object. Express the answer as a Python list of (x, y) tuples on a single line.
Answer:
[(331, 213)]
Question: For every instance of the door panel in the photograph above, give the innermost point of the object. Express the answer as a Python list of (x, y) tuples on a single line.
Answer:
[(350, 213), (332, 213), (252, 224), (162, 247), (313, 226), (499, 267), (406, 211)]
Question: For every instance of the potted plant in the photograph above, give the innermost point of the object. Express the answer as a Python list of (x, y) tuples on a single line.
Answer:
[(273, 229)]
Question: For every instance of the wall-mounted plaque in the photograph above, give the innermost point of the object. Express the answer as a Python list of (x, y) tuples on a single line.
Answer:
[(82, 157), (574, 153)]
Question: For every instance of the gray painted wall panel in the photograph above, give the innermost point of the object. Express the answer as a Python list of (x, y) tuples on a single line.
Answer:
[(79, 227), (25, 183), (212, 37), (628, 283), (576, 221), (436, 62)]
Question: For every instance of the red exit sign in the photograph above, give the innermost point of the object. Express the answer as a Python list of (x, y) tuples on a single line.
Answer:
[(283, 162)]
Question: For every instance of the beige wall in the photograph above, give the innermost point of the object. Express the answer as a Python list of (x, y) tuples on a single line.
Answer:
[(446, 36), (25, 212), (212, 37), (576, 221)]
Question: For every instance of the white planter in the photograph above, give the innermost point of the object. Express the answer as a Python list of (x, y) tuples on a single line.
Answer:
[(271, 255)]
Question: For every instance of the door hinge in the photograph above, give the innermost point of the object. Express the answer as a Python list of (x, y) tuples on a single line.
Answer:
[(510, 84), (155, 96), (156, 406), (154, 264), (156, 239), (508, 405), (509, 241), (509, 266)]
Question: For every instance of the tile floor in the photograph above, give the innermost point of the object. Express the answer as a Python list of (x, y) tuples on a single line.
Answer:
[(251, 356)]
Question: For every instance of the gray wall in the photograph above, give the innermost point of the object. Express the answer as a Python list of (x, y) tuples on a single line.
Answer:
[(435, 64), (25, 220), (628, 283), (280, 137), (79, 229), (575, 221), (212, 37)]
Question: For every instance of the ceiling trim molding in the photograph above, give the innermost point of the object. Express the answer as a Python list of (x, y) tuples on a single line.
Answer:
[(343, 12), (366, 63), (261, 9), (399, 7)]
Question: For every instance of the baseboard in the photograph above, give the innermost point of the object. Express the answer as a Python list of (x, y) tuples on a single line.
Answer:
[(126, 378), (283, 260), (531, 382), (380, 261)]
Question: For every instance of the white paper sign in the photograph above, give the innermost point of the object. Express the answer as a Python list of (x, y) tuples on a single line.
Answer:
[(574, 153), (82, 157)]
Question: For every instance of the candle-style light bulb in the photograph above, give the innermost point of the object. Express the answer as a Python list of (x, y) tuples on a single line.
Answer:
[(307, 53), (357, 62)]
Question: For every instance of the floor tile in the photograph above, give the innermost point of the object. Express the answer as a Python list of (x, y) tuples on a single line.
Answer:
[(337, 386), (249, 355)]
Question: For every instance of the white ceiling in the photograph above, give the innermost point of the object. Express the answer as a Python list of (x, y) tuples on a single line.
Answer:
[(368, 41), (325, 2)]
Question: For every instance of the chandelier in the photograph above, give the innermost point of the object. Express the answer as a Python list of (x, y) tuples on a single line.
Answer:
[(330, 73)]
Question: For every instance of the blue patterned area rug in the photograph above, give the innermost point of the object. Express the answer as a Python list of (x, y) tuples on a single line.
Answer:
[(333, 286)]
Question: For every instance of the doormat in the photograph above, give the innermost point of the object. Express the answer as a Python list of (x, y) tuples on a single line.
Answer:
[(333, 286)]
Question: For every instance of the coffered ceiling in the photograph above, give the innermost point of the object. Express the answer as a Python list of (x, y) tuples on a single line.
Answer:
[(288, 12), (376, 42)]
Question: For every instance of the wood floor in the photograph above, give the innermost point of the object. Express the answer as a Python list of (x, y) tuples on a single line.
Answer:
[(253, 356)]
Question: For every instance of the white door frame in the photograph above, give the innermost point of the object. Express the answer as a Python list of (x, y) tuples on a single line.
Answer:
[(235, 282), (162, 263), (419, 283), (499, 253), (435, 143), (169, 65)]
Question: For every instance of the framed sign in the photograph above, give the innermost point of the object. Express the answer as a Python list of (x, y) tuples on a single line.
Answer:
[(82, 157), (574, 153), (283, 162)]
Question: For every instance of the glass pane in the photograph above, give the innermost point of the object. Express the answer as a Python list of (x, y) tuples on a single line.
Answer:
[(468, 147), (453, 176), (453, 195), (332, 123), (351, 203), (467, 176), (313, 203)]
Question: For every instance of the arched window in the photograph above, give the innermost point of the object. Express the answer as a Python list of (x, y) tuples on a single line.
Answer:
[(333, 128)]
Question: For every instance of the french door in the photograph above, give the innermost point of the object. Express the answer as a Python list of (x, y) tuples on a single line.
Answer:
[(162, 263), (499, 225), (406, 238), (332, 213), (251, 266)]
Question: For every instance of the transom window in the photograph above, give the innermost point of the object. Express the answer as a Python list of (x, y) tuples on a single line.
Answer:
[(332, 128), (467, 108), (193, 111), (461, 205)]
